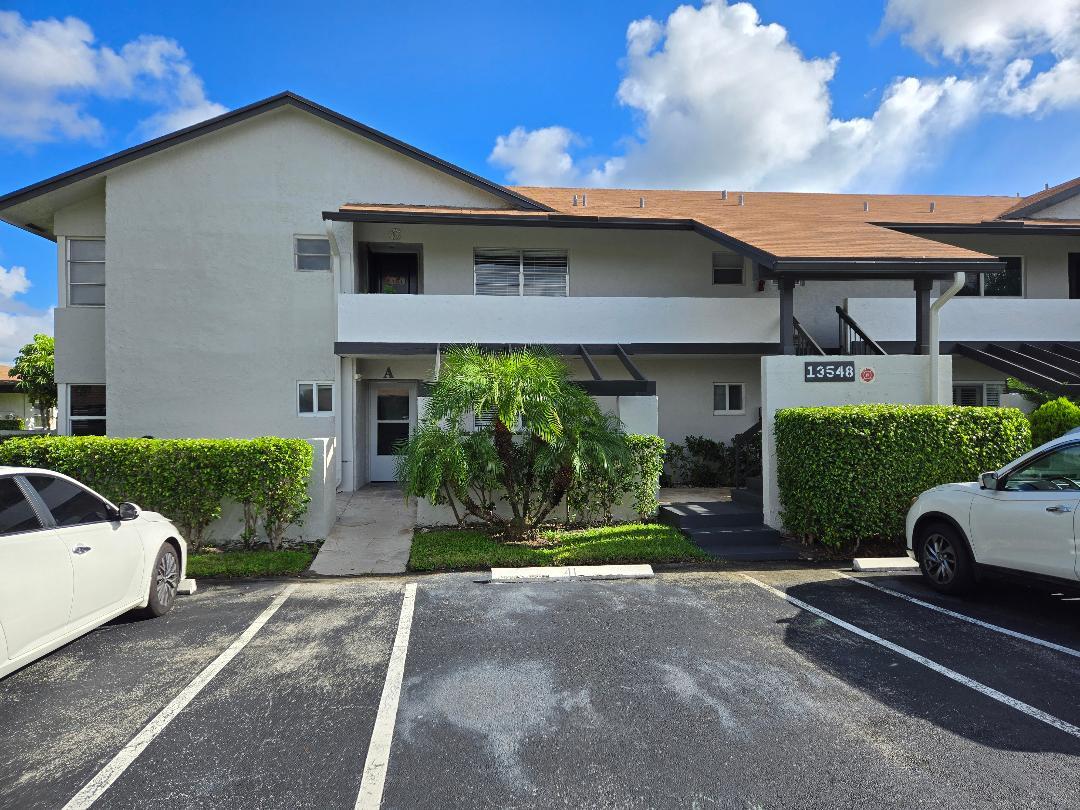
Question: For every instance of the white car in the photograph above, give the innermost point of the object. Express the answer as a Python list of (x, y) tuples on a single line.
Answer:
[(1019, 522), (70, 560)]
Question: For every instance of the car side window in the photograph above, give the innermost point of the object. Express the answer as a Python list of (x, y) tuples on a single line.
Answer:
[(1054, 472), (69, 504), (16, 514)]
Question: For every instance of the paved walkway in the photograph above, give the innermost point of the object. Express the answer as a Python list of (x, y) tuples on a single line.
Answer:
[(372, 535)]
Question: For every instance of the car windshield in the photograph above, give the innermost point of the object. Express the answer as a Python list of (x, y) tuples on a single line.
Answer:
[(1058, 470)]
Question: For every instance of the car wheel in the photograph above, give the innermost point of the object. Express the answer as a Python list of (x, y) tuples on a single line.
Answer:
[(944, 559), (164, 580)]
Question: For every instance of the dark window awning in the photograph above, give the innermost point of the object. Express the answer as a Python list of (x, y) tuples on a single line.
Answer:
[(1053, 367)]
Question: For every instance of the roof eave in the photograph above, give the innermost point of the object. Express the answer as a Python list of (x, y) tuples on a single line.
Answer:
[(86, 171)]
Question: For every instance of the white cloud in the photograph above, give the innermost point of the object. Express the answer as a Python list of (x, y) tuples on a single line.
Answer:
[(51, 69), (18, 324), (724, 100)]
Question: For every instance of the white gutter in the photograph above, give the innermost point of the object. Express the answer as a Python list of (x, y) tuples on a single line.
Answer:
[(959, 278)]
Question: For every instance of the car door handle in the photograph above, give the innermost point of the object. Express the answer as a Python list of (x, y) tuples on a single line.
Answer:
[(1060, 508), (81, 549)]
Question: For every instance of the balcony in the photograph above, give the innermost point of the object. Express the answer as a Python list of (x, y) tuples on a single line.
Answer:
[(1033, 320), (726, 324)]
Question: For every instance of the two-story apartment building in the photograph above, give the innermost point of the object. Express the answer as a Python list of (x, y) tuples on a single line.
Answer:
[(285, 270)]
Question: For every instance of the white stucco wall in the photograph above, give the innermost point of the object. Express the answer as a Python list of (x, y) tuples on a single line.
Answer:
[(900, 379), (1067, 209), (209, 326)]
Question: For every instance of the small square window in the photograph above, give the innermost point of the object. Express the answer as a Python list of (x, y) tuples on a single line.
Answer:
[(727, 268), (313, 253), (315, 398), (728, 398)]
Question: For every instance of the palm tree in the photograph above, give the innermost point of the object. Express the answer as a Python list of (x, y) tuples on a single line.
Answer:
[(544, 430)]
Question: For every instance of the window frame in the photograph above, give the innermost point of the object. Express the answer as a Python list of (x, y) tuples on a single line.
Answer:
[(43, 511), (297, 254), (315, 385), (742, 270), (68, 283), (727, 399), (982, 385), (70, 418), (521, 270), (1003, 481), (44, 518), (982, 281)]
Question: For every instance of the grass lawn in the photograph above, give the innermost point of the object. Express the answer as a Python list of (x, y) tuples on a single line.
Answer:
[(257, 563), (468, 549)]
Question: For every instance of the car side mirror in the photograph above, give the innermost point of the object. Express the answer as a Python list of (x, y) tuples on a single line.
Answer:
[(128, 511), (988, 480)]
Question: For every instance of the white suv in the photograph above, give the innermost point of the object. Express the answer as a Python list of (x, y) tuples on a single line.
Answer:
[(1020, 520)]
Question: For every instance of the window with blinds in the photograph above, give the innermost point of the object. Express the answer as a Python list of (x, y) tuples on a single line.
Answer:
[(503, 271), (978, 394)]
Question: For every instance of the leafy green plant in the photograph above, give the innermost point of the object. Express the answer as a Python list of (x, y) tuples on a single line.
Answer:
[(1052, 419), (12, 423), (34, 367), (544, 433), (1036, 396), (598, 489), (704, 462), (849, 473), (184, 479)]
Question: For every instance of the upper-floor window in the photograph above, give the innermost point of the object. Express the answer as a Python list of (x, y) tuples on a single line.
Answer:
[(86, 272), (1007, 283), (727, 268), (506, 271), (313, 253)]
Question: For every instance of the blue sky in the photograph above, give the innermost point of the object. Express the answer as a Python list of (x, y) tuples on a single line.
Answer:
[(452, 78)]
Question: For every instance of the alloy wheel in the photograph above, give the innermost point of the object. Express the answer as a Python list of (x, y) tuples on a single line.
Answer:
[(166, 578), (939, 559)]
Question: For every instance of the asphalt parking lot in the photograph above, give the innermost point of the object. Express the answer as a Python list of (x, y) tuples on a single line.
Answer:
[(688, 690)]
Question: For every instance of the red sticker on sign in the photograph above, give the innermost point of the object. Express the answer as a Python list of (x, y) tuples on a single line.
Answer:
[(867, 375)]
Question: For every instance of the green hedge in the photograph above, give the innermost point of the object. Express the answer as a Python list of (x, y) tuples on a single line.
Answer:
[(849, 473), (596, 492), (1052, 419), (12, 424), (184, 479)]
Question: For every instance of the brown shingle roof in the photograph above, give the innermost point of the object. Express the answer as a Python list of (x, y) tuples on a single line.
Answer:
[(785, 225), (1033, 200)]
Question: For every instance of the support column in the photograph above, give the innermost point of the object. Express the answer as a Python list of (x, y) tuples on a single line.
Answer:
[(923, 287), (787, 315)]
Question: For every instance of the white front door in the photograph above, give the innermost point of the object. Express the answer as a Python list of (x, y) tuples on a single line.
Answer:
[(391, 419), (1029, 525)]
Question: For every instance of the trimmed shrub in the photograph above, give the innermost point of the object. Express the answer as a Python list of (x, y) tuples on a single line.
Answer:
[(1052, 419), (849, 473), (184, 479), (704, 462), (597, 491), (12, 423)]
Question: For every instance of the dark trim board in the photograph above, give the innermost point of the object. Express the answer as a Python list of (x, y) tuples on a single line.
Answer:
[(1002, 227), (345, 348), (286, 99)]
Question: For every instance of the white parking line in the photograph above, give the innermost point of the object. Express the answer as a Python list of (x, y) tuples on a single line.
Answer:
[(378, 754), (930, 606), (981, 688), (130, 752)]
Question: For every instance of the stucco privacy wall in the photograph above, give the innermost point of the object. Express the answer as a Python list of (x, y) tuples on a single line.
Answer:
[(902, 379), (321, 512), (209, 326)]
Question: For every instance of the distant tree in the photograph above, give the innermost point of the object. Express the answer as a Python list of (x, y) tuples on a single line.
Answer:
[(34, 368)]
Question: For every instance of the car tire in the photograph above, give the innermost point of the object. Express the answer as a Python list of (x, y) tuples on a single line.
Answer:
[(944, 559), (164, 581)]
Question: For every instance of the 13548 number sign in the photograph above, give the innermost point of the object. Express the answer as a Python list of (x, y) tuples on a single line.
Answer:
[(829, 371)]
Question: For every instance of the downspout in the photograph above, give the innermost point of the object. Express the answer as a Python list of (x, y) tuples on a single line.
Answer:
[(345, 425), (959, 279)]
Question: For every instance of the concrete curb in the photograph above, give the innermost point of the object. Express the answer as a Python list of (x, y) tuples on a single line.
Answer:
[(572, 572), (883, 564)]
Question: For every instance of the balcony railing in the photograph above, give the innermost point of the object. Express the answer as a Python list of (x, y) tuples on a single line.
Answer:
[(446, 319)]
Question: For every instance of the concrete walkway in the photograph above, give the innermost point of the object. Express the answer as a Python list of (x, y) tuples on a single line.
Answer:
[(372, 535)]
